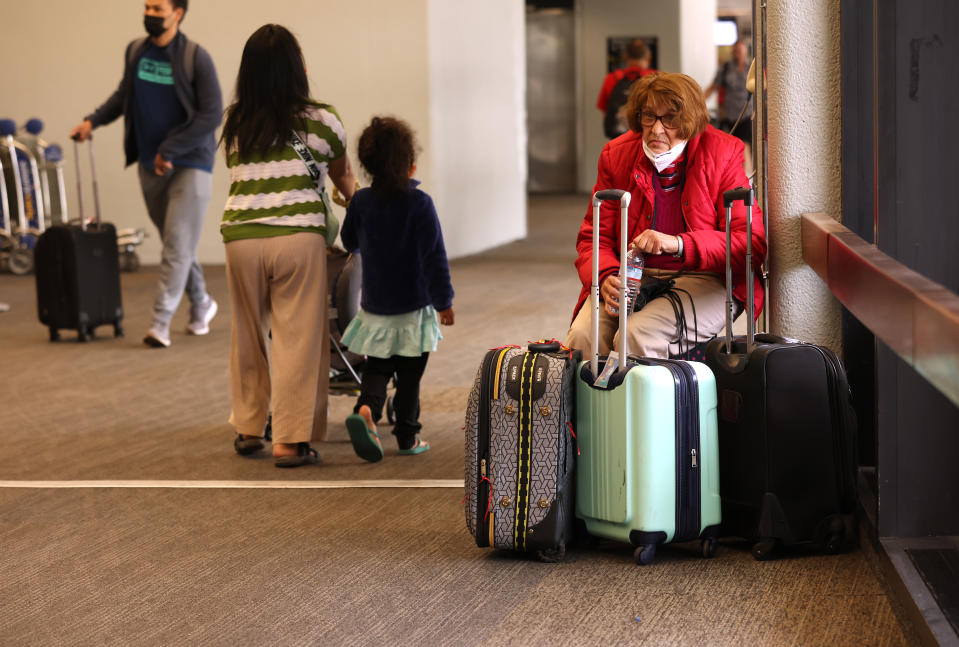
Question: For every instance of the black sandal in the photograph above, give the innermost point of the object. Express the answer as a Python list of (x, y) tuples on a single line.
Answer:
[(246, 445), (305, 455)]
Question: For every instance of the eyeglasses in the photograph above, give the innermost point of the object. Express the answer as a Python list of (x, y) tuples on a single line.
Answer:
[(669, 120)]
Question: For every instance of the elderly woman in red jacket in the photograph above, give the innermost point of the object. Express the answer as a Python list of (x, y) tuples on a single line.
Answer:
[(676, 168)]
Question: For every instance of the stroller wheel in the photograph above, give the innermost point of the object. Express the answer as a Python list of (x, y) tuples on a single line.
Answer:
[(20, 261)]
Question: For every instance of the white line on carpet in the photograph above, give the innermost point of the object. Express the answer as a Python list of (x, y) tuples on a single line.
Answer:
[(243, 485)]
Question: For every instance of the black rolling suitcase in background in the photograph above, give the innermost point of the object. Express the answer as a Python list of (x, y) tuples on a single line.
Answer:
[(520, 450), (786, 433), (78, 274)]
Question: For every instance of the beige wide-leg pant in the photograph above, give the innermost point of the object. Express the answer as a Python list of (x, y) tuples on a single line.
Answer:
[(651, 329), (278, 284)]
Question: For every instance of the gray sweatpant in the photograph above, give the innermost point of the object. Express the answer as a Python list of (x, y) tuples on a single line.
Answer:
[(177, 203)]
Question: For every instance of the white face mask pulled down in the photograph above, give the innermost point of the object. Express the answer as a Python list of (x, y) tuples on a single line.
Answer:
[(662, 160)]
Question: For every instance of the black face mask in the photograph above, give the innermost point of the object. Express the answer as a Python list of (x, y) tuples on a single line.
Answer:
[(154, 25)]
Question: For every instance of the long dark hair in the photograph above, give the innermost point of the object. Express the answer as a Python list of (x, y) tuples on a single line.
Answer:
[(271, 91), (387, 150)]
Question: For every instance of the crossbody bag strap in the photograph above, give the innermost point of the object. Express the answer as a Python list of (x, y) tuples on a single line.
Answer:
[(332, 224), (307, 158)]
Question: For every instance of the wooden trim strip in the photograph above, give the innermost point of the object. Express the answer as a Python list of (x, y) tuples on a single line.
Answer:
[(244, 485), (915, 316)]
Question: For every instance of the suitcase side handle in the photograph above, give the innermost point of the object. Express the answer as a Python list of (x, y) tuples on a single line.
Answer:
[(544, 346)]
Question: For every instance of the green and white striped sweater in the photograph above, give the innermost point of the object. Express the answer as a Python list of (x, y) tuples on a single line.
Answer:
[(273, 194)]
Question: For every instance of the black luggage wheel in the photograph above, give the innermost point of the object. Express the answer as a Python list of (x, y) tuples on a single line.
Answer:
[(54, 334), (841, 534), (117, 330), (553, 555), (708, 547), (834, 545), (763, 549), (645, 554)]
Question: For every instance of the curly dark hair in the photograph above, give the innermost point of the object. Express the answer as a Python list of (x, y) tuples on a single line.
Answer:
[(387, 150)]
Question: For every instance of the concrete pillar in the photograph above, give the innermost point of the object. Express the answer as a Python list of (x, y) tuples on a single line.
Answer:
[(805, 165)]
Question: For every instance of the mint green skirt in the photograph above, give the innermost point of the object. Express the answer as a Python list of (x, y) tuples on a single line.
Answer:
[(409, 334)]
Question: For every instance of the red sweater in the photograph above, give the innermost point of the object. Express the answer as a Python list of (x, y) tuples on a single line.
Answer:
[(714, 164)]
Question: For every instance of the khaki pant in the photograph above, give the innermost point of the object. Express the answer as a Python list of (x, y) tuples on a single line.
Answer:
[(278, 284), (652, 330)]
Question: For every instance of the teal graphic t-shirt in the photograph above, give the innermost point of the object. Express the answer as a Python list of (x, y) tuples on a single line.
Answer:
[(156, 109)]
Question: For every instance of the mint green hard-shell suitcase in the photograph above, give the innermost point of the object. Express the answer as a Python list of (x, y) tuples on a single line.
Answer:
[(648, 470)]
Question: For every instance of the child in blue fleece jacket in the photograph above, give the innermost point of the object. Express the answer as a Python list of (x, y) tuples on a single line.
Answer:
[(407, 291)]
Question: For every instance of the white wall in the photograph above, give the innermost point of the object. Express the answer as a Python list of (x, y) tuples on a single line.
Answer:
[(697, 55), (477, 62), (365, 57), (684, 32)]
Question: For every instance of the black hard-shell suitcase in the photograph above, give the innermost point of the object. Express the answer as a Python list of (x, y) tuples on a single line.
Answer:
[(786, 434), (78, 274), (520, 450)]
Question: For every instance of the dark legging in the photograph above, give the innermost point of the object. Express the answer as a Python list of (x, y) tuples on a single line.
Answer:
[(377, 374)]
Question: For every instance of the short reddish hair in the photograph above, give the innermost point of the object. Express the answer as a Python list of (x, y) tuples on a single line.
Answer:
[(677, 91)]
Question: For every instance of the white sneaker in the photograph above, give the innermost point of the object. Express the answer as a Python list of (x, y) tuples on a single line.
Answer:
[(201, 316), (158, 336)]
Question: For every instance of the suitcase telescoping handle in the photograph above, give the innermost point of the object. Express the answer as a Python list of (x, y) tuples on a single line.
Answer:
[(729, 197), (76, 158), (598, 198), (96, 188)]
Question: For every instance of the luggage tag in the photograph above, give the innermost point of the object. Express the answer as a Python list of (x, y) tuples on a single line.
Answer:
[(612, 363)]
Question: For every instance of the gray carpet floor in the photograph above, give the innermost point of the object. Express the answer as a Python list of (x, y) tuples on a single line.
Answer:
[(107, 566)]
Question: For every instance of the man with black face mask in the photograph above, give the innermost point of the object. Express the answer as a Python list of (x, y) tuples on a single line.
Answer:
[(171, 104)]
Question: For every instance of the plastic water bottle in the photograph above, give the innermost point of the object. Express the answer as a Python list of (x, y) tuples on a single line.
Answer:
[(635, 260)]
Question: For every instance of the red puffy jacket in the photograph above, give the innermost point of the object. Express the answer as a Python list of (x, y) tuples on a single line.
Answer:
[(714, 164)]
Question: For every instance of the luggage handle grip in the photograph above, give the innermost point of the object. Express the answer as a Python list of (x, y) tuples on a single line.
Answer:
[(740, 193), (608, 194)]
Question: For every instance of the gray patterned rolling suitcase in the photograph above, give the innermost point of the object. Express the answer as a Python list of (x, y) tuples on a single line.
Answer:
[(520, 450)]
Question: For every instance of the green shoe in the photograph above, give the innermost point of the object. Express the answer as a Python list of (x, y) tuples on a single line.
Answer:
[(366, 442), (418, 447)]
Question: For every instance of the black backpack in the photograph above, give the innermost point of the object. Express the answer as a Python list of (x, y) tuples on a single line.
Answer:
[(614, 123)]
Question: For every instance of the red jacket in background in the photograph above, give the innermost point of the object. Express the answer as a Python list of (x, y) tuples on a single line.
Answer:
[(714, 164)]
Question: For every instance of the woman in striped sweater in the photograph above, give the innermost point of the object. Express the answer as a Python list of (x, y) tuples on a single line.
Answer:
[(275, 227)]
